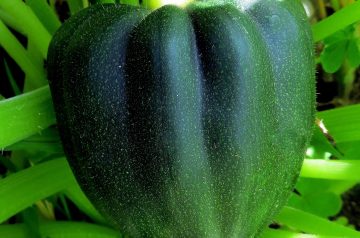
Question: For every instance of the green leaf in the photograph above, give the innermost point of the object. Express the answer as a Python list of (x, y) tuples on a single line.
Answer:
[(48, 141), (323, 204), (25, 115), (353, 53), (28, 21), (321, 144), (11, 21), (312, 224), (335, 4), (10, 166), (343, 123), (317, 196), (342, 220), (38, 61), (351, 149), (298, 202), (333, 56), (339, 36), (75, 6), (45, 14), (61, 230), (11, 79), (13, 47), (41, 181), (307, 186), (338, 21), (277, 233), (331, 169), (75, 194), (31, 221), (22, 189)]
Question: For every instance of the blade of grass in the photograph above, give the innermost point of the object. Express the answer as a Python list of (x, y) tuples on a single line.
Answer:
[(70, 188), (10, 166), (28, 21), (75, 194), (25, 115), (52, 4), (61, 230), (343, 123), (12, 81), (33, 145), (85, 3), (45, 14), (103, 1), (130, 2), (65, 206), (321, 143), (11, 22), (46, 209), (31, 222), (277, 233), (47, 141), (24, 188), (312, 224), (336, 22), (36, 57), (341, 187), (331, 169), (75, 6), (335, 4), (13, 47)]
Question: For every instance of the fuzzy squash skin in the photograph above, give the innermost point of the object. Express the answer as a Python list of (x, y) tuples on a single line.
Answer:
[(185, 122)]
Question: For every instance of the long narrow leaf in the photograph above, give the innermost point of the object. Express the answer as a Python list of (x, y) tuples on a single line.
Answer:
[(343, 123), (37, 60), (29, 22), (45, 14), (75, 6), (47, 141), (337, 21), (61, 230), (277, 233), (24, 188), (312, 224), (331, 169), (11, 21), (11, 79), (25, 115), (13, 47), (75, 194)]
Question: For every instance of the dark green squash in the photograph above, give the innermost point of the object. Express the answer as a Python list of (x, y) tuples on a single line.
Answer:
[(185, 122)]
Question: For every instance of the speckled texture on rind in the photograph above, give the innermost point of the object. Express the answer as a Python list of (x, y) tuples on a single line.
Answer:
[(185, 123), (286, 32)]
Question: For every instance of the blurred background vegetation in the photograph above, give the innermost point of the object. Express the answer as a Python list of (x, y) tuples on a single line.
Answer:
[(29, 196)]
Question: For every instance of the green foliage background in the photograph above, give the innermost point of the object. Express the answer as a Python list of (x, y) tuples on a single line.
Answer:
[(39, 196)]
